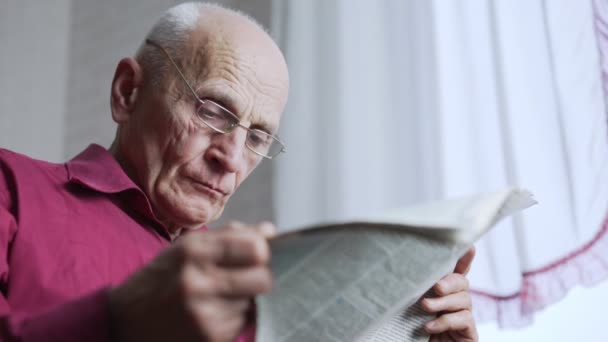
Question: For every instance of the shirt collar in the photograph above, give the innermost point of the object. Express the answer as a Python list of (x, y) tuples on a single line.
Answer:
[(97, 169)]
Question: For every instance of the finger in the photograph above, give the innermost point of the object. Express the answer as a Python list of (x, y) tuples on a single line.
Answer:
[(228, 329), (265, 228), (226, 248), (244, 282), (464, 263), (461, 321), (451, 303), (222, 308), (219, 320), (233, 226), (242, 248), (451, 283), (211, 282)]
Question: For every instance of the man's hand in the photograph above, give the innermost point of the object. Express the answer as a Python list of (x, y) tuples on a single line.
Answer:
[(199, 289), (453, 304)]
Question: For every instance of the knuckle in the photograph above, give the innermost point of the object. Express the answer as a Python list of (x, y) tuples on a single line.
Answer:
[(192, 282), (261, 249), (455, 277), (468, 301), (256, 248), (467, 316), (441, 288), (234, 247), (426, 305), (266, 223), (443, 321), (465, 282), (267, 227)]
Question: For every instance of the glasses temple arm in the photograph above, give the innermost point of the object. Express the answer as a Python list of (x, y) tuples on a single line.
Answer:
[(175, 65)]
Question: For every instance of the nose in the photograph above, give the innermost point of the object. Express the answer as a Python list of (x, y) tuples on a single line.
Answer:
[(228, 150)]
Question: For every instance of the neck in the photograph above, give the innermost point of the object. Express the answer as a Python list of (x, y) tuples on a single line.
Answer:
[(173, 230), (174, 233)]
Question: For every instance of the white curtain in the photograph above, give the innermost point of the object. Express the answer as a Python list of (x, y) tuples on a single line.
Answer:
[(396, 102)]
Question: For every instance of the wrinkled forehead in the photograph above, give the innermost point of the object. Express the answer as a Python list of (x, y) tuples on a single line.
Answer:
[(241, 76)]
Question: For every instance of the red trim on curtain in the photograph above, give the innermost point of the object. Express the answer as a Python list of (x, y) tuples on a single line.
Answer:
[(585, 266)]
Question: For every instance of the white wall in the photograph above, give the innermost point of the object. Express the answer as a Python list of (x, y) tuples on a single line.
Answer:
[(33, 73)]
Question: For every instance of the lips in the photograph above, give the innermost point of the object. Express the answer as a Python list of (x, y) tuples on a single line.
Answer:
[(211, 188), (216, 189)]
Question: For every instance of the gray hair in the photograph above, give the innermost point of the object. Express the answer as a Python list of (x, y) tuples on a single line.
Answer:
[(172, 31)]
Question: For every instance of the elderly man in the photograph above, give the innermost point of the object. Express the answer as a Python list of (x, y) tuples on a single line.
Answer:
[(110, 246)]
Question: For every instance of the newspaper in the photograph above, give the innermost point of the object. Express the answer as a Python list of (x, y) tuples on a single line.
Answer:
[(362, 280)]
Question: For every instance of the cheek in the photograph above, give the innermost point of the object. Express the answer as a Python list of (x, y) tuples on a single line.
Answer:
[(184, 144), (189, 146)]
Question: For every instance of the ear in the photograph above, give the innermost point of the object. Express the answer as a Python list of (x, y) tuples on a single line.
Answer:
[(127, 81)]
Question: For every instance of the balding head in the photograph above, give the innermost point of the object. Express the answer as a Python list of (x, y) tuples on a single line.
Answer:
[(188, 170), (194, 31)]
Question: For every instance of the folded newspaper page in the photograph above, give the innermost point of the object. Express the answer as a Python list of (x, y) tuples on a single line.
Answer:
[(361, 280)]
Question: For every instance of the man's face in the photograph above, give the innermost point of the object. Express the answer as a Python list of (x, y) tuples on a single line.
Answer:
[(188, 170)]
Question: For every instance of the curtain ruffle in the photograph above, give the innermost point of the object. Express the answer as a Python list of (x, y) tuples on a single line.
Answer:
[(585, 266)]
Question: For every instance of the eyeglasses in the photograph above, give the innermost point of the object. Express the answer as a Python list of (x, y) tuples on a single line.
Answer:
[(224, 121)]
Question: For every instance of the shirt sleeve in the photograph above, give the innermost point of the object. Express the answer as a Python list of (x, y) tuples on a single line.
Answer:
[(83, 319)]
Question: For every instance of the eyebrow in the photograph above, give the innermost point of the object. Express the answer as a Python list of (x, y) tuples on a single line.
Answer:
[(263, 125)]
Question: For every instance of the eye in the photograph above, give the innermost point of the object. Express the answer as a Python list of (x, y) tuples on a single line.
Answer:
[(258, 138), (207, 113), (215, 117)]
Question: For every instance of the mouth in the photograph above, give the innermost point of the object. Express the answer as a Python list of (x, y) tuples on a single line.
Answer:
[(209, 189)]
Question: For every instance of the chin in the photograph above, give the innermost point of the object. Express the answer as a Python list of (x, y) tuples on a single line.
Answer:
[(194, 217), (184, 214), (186, 208)]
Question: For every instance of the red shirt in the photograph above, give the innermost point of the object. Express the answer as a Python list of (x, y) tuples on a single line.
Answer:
[(67, 232)]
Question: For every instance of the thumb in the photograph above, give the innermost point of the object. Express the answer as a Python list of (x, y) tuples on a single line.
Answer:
[(464, 263)]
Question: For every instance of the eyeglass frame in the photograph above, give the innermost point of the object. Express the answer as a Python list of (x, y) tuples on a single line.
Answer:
[(237, 120)]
